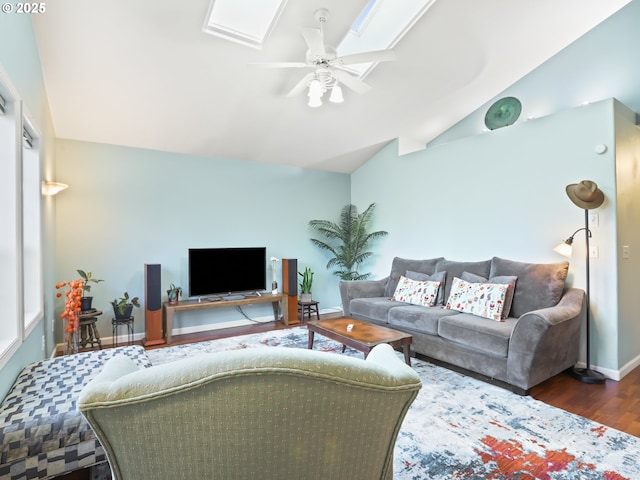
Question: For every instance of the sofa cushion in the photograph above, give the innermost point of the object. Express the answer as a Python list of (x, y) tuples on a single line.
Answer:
[(482, 299), (375, 308), (424, 320), (455, 269), (439, 277), (415, 292), (540, 285), (478, 333), (509, 280), (401, 265)]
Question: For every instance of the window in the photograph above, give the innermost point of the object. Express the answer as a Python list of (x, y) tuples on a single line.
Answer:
[(21, 271), (32, 281), (380, 26), (244, 21), (10, 306)]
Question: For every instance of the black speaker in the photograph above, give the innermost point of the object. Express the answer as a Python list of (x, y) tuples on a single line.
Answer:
[(290, 276), (152, 289), (152, 305)]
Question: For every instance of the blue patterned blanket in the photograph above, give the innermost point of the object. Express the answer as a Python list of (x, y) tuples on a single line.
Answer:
[(42, 434)]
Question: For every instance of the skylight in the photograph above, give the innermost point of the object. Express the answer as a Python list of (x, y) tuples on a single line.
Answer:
[(243, 21), (380, 26)]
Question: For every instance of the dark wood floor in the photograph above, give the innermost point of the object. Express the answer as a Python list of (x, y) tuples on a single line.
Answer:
[(615, 404)]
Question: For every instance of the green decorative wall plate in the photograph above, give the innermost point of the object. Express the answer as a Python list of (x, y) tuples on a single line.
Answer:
[(502, 113)]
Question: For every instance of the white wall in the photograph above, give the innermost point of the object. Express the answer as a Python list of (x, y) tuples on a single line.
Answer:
[(628, 234), (502, 193), (126, 207)]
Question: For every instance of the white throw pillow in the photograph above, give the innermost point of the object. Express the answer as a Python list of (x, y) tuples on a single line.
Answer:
[(416, 292), (481, 299)]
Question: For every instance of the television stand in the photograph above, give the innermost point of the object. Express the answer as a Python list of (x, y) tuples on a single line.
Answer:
[(169, 310)]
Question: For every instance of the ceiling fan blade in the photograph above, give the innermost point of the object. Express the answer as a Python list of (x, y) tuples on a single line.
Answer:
[(301, 85), (315, 40), (282, 65), (352, 82), (366, 57)]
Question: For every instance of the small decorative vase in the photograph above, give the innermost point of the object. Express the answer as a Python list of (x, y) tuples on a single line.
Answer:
[(71, 343), (173, 297)]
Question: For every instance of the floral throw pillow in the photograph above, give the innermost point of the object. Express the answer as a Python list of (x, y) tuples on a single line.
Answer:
[(416, 292), (481, 299)]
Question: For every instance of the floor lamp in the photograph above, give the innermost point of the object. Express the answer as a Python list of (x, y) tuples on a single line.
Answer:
[(585, 195)]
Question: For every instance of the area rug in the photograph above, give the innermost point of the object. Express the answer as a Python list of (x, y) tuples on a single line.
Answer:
[(462, 428)]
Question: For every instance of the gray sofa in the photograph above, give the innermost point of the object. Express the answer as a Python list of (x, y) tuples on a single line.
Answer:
[(537, 340)]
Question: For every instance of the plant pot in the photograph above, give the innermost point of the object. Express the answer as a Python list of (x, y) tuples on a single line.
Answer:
[(85, 303), (173, 297), (125, 315), (305, 297)]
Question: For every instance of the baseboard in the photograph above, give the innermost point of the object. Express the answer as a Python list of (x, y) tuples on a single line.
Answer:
[(607, 372)]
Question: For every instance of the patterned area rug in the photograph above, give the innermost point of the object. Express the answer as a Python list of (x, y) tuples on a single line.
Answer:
[(462, 428)]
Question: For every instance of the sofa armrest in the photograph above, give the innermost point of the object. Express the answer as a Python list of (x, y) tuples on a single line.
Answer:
[(350, 289), (545, 342)]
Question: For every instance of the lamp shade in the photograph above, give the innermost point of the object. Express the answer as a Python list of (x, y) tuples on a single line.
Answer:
[(565, 249), (52, 188), (336, 94)]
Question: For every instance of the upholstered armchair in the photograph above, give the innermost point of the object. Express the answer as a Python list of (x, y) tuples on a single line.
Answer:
[(258, 414)]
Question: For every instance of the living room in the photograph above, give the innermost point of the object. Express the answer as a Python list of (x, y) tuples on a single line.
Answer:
[(499, 193)]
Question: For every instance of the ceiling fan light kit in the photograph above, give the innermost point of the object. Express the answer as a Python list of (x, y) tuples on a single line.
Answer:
[(329, 70)]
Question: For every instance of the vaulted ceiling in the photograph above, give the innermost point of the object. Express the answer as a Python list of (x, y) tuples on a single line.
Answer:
[(144, 74)]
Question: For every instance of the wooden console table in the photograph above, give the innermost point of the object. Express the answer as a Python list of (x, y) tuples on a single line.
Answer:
[(169, 310)]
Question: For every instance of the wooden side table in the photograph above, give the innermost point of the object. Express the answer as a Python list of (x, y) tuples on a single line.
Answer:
[(89, 336), (308, 308)]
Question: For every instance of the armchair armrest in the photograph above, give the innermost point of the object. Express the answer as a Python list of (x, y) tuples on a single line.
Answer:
[(545, 342), (350, 289)]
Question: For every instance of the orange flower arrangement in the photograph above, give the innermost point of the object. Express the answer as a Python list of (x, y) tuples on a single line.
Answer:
[(71, 308)]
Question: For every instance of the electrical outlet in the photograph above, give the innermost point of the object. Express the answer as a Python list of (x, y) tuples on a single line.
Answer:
[(593, 252), (594, 219), (44, 343), (626, 253)]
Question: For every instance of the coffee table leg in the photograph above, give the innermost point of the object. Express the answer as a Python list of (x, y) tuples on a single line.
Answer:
[(407, 354), (311, 334)]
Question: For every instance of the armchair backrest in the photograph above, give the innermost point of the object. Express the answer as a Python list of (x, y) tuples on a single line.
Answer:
[(258, 414)]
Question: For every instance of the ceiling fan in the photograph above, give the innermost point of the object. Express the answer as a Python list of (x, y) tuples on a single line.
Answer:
[(329, 70)]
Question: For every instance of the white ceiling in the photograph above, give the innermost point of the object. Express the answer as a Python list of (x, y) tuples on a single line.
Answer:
[(143, 74)]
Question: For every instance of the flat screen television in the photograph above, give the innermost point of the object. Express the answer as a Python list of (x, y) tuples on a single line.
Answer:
[(227, 270)]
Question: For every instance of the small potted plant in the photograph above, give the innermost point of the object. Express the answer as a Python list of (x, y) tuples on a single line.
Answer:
[(174, 293), (85, 301), (305, 285), (123, 306)]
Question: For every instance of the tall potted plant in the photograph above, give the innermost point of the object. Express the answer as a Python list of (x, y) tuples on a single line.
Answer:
[(85, 300), (347, 241), (305, 285)]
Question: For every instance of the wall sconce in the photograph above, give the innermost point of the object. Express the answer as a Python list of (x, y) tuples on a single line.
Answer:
[(52, 188)]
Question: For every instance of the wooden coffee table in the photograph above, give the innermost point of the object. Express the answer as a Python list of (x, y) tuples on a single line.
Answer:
[(363, 335)]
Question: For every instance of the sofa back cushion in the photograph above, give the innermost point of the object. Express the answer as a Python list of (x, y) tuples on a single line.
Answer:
[(455, 269), (540, 285), (400, 266)]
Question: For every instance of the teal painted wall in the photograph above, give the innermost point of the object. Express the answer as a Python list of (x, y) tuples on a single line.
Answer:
[(126, 207), (502, 193)]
